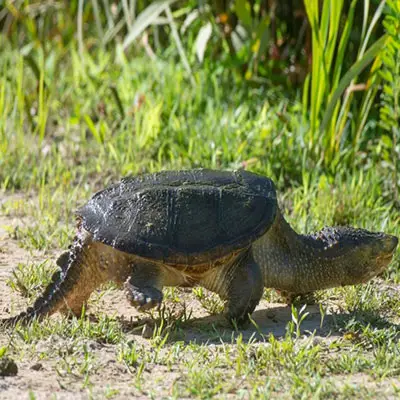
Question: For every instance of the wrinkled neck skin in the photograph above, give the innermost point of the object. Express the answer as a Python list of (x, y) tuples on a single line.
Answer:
[(291, 262)]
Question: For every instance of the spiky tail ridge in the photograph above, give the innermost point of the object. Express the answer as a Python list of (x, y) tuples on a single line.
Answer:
[(61, 283)]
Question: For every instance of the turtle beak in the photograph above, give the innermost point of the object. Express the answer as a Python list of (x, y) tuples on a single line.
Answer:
[(388, 247), (391, 244)]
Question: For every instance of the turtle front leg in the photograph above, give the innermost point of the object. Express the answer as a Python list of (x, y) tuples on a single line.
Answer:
[(240, 284)]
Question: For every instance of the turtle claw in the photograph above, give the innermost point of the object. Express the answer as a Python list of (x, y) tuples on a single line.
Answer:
[(143, 298)]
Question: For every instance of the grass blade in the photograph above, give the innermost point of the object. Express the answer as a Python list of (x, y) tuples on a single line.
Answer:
[(80, 27), (202, 39), (144, 19), (127, 14), (372, 24), (97, 19), (118, 101), (178, 42)]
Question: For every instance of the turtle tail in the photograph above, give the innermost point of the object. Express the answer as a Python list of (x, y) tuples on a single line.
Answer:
[(62, 282)]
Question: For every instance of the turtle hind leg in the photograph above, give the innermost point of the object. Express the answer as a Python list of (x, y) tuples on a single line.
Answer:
[(143, 297), (240, 284), (146, 281), (144, 286)]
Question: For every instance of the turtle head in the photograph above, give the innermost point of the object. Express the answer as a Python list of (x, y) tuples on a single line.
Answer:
[(357, 255), (371, 254), (383, 249)]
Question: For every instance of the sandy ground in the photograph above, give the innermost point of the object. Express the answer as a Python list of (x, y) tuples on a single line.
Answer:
[(44, 379)]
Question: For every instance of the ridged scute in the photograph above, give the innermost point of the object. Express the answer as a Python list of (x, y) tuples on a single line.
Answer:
[(182, 217)]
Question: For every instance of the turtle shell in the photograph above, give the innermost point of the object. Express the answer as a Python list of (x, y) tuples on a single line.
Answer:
[(182, 217)]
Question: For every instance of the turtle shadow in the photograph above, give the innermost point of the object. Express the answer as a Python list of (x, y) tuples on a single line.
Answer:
[(214, 329)]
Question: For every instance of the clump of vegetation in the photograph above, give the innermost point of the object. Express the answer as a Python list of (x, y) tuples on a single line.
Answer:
[(30, 280)]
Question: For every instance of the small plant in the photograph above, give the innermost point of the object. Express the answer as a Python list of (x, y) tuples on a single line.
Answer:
[(30, 279), (79, 361), (298, 316), (109, 392), (209, 301), (130, 355)]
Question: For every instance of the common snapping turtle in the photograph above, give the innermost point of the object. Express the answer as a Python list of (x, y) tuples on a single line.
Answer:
[(220, 230)]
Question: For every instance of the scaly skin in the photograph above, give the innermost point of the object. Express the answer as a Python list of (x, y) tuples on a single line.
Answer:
[(294, 264), (299, 264)]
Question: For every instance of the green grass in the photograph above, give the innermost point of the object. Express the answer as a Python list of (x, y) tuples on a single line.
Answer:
[(85, 124)]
